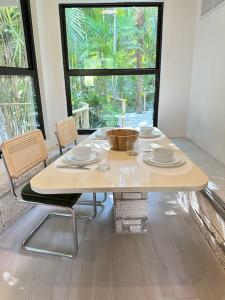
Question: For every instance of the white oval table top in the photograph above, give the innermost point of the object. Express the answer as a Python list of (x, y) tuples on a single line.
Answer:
[(126, 174)]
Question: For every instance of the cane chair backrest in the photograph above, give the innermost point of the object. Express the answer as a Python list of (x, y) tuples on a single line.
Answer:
[(24, 152), (66, 131)]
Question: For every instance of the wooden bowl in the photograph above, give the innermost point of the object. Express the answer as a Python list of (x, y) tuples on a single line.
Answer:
[(118, 138)]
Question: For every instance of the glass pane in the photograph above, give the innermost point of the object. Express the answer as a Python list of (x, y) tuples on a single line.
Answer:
[(18, 107), (12, 42), (106, 101), (112, 38)]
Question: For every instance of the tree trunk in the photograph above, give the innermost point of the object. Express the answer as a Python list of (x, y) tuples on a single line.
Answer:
[(140, 20)]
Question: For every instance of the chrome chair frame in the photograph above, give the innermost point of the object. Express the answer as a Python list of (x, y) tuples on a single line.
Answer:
[(83, 202), (60, 146), (72, 215)]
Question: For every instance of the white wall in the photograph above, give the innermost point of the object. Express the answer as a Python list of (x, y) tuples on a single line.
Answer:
[(46, 26), (177, 54), (206, 121), (179, 27)]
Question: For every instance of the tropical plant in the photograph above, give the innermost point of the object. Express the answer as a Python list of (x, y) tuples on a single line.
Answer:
[(12, 46), (17, 108), (113, 38), (75, 32)]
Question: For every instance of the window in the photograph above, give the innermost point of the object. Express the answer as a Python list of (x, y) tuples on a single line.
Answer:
[(112, 62), (20, 106)]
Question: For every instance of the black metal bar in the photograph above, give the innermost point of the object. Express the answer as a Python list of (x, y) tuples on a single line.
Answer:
[(119, 4), (112, 72), (27, 29), (29, 38), (11, 71), (86, 131), (159, 36), (158, 63), (65, 59)]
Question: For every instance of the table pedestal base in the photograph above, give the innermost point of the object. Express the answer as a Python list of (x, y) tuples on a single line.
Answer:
[(131, 212)]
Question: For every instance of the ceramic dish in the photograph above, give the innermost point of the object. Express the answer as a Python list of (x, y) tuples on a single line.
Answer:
[(82, 153), (100, 136), (154, 134), (177, 161), (69, 158)]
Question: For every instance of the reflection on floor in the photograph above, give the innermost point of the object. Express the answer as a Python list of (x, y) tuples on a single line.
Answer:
[(172, 261)]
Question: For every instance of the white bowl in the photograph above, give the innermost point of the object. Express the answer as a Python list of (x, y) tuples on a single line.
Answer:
[(82, 152), (104, 130), (164, 155), (146, 130)]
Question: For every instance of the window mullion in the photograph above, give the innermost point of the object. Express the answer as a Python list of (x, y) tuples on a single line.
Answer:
[(27, 33), (16, 71), (111, 72)]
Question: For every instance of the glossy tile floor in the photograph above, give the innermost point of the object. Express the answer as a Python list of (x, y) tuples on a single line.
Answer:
[(172, 261)]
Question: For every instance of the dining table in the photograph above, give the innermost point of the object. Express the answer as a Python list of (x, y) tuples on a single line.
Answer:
[(130, 179)]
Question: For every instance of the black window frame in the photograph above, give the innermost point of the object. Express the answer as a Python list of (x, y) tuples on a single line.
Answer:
[(31, 70), (107, 72)]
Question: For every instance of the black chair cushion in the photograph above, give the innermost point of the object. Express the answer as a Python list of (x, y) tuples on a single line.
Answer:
[(65, 200)]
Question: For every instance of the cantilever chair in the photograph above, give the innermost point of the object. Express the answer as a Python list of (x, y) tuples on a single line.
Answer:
[(20, 155), (66, 133)]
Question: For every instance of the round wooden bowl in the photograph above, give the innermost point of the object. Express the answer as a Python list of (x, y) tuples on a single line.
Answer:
[(118, 138)]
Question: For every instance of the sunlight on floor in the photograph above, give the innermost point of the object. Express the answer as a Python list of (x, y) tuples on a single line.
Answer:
[(10, 279)]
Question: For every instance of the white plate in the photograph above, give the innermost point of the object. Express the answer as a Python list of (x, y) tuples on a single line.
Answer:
[(100, 136), (177, 161), (69, 158), (150, 136)]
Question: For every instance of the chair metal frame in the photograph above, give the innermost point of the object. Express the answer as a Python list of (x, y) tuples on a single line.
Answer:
[(26, 240), (95, 203), (60, 146), (69, 211), (66, 133)]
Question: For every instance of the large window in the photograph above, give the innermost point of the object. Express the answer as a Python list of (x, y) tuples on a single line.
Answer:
[(112, 62), (20, 106)]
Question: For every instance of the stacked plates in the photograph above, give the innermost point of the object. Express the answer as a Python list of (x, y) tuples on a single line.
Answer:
[(177, 161), (154, 134), (101, 133), (70, 159), (100, 136)]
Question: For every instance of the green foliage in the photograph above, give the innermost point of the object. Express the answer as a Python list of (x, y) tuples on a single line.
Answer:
[(12, 46), (112, 38), (106, 105), (17, 108), (103, 111), (102, 34)]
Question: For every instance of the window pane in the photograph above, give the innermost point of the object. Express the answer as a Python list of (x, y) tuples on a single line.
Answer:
[(12, 42), (113, 100), (112, 37), (18, 107)]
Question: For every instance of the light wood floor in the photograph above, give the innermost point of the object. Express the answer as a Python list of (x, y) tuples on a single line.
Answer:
[(172, 261)]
